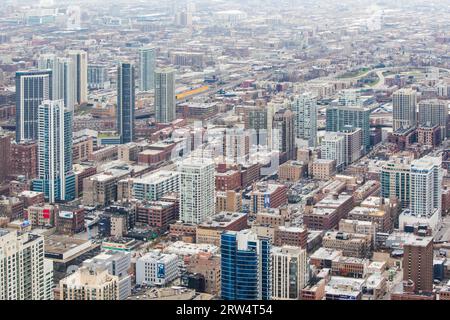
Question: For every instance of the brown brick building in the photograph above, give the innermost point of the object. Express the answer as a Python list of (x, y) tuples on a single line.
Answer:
[(292, 236), (24, 159), (156, 213), (418, 263)]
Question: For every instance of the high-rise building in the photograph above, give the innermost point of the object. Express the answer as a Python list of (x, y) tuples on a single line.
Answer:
[(353, 144), (341, 116), (5, 156), (283, 130), (418, 262), (24, 272), (404, 109), (165, 106), (434, 112), (125, 102), (305, 115), (255, 118), (197, 187), (50, 62), (426, 185), (417, 184), (63, 78), (147, 65), (32, 87), (271, 109), (289, 272), (155, 185), (395, 180), (55, 177), (333, 148), (89, 283), (24, 159), (97, 77), (245, 266), (80, 60)]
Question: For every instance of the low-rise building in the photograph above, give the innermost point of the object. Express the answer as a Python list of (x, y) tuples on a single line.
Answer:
[(156, 268), (208, 265), (90, 284), (293, 236), (228, 201), (267, 195), (209, 231), (323, 169), (342, 288), (349, 267), (351, 244), (292, 170)]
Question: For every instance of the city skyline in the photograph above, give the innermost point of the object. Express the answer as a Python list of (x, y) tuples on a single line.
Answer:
[(260, 151)]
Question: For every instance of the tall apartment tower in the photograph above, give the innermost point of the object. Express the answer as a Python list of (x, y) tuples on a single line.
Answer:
[(305, 111), (395, 180), (63, 78), (404, 103), (333, 148), (125, 102), (165, 106), (97, 76), (55, 177), (24, 272), (197, 186), (5, 156), (32, 87), (434, 112), (245, 266), (289, 272), (341, 116), (353, 143), (418, 263), (255, 118), (426, 185), (147, 65), (80, 60), (283, 133)]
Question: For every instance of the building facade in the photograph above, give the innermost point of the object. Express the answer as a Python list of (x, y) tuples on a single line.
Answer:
[(55, 177), (32, 87), (196, 189), (24, 272), (147, 65), (126, 102), (165, 106), (246, 266), (305, 111), (289, 272)]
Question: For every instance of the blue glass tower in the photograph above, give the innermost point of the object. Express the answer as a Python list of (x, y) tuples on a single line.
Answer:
[(125, 102), (55, 177), (32, 87), (246, 266)]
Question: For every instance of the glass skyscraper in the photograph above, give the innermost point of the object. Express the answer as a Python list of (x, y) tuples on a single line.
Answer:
[(147, 64), (125, 101), (246, 266), (80, 60), (63, 78), (55, 177), (165, 106), (32, 87)]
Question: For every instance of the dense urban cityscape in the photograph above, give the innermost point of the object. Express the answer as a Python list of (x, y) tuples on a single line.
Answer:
[(224, 150)]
